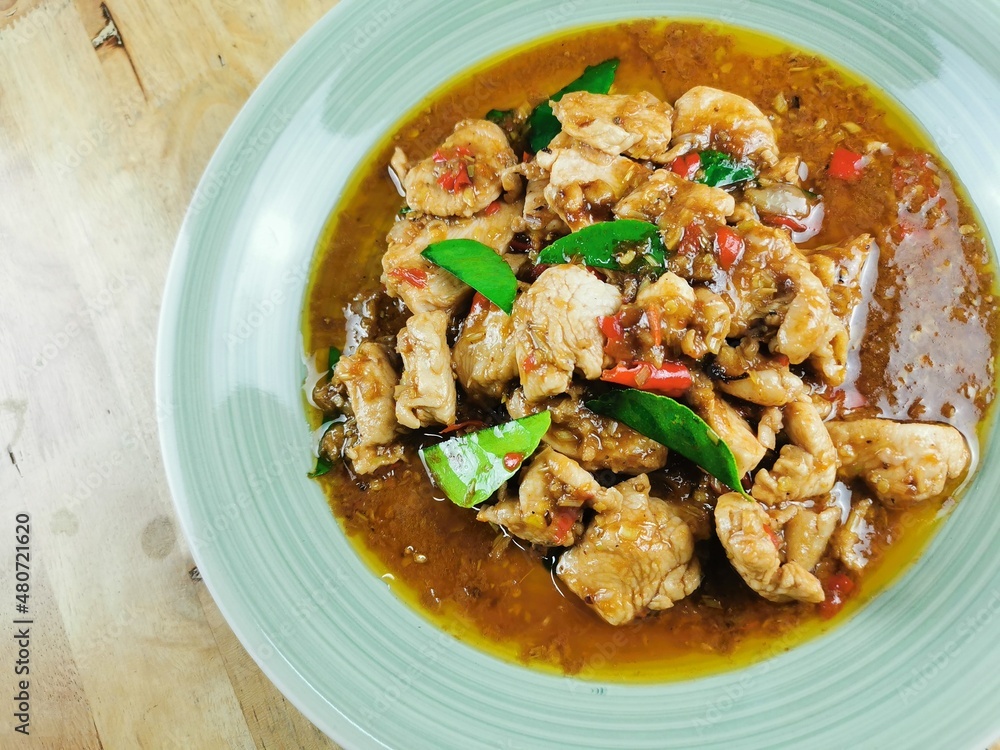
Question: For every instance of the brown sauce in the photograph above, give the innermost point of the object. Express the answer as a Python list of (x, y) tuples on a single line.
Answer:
[(927, 353)]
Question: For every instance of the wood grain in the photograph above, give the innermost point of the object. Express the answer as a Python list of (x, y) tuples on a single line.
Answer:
[(102, 148)]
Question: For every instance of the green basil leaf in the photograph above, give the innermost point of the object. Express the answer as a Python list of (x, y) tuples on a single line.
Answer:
[(623, 245), (323, 464), (479, 266), (470, 468), (542, 123), (333, 358), (721, 170), (674, 425), (499, 116)]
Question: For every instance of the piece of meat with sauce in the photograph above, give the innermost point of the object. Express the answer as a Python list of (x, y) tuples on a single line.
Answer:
[(807, 535), (773, 283), (595, 441), (548, 509), (462, 177), (636, 556), (556, 332), (728, 424), (707, 118), (806, 467), (694, 322), (638, 125), (841, 269), (424, 286), (426, 393), (853, 542), (585, 183), (754, 547), (902, 462), (369, 377), (671, 202), (484, 356), (772, 385)]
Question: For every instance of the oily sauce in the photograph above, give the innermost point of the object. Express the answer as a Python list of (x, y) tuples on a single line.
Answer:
[(927, 352)]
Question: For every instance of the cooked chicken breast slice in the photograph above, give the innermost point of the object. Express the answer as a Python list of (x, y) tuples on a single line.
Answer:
[(636, 556), (548, 509), (807, 535), (840, 269), (594, 441), (424, 286), (773, 385), (852, 542), (671, 202), (753, 547), (584, 183), (727, 423), (370, 380), (556, 332), (902, 462), (705, 118), (477, 150), (426, 393), (773, 279), (694, 322), (638, 125), (806, 467), (484, 356)]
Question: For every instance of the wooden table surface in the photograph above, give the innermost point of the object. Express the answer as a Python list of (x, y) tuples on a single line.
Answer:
[(108, 114)]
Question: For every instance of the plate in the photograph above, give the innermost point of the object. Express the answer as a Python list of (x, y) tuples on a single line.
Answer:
[(916, 668)]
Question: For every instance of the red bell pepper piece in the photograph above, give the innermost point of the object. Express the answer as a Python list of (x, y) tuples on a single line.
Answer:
[(611, 327), (670, 379), (838, 587), (687, 165), (413, 276), (729, 247), (492, 208), (845, 164)]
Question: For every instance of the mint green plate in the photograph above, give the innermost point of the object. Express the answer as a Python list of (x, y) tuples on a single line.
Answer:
[(919, 667)]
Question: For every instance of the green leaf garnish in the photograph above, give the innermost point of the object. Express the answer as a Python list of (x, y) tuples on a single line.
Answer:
[(333, 358), (674, 425), (479, 266), (542, 123), (720, 170), (623, 245), (499, 116), (470, 468), (323, 464)]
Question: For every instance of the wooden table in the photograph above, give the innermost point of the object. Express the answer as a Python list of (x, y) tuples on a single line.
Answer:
[(108, 115)]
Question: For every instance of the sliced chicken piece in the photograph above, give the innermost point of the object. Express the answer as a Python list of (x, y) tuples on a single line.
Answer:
[(548, 510), (419, 283), (773, 282), (727, 423), (754, 549), (369, 377), (634, 124), (426, 394), (596, 442), (463, 176), (671, 202), (636, 556), (769, 427), (852, 542), (840, 269), (774, 385), (538, 214), (556, 332), (584, 183), (483, 356), (707, 118), (807, 535), (694, 322), (805, 468), (788, 170), (902, 462)]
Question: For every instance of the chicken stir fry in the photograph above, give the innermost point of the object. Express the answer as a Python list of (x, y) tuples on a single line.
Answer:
[(659, 314)]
